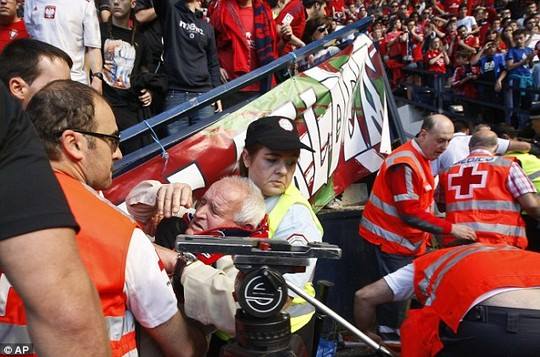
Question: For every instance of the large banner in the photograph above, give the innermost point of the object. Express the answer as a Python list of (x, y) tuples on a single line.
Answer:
[(340, 110)]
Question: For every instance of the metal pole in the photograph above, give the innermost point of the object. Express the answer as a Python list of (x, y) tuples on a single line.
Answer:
[(319, 305)]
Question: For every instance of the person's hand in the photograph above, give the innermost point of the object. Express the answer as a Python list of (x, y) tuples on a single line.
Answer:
[(286, 32), (218, 108), (498, 86), (170, 197), (145, 98), (463, 232), (223, 74)]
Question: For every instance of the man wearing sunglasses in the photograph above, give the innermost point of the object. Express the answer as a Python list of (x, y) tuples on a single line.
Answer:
[(80, 136)]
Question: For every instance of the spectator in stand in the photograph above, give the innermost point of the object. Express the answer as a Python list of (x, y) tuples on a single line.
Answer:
[(189, 59), (292, 15), (531, 31), (73, 26), (466, 41), (145, 14), (396, 47), (125, 71), (507, 37), (452, 6), (492, 70), (80, 136), (518, 63), (414, 57), (316, 29), (28, 65), (246, 39), (461, 83), (530, 11), (468, 21), (11, 26), (494, 37), (362, 12), (436, 57), (314, 8)]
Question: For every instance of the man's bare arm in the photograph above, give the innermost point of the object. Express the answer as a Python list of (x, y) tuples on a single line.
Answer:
[(62, 306), (146, 15), (529, 202), (177, 337), (520, 146), (95, 63)]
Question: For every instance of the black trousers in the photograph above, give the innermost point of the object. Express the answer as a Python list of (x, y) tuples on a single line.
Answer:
[(493, 331)]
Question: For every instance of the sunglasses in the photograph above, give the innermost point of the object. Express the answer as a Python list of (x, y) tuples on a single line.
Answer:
[(322, 29)]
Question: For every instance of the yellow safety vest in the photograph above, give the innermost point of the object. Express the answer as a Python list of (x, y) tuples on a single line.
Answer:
[(531, 165), (299, 310)]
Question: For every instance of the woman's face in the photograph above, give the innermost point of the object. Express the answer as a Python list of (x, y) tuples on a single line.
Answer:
[(320, 32), (272, 171)]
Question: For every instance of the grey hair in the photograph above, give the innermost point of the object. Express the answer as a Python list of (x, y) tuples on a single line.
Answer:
[(253, 208)]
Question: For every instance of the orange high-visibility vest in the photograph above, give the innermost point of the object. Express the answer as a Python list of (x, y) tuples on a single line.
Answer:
[(103, 243), (448, 281), (380, 223), (476, 196)]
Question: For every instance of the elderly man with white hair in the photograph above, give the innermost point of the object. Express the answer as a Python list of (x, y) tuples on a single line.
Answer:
[(231, 206)]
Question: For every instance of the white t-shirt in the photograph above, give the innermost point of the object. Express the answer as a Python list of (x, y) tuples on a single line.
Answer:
[(401, 283), (71, 25), (150, 296), (296, 227), (458, 149)]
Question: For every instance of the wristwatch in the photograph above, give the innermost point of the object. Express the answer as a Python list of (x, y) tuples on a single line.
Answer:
[(98, 75), (182, 261)]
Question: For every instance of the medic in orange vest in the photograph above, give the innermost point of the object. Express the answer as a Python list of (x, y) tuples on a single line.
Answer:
[(398, 216), (478, 300), (487, 193)]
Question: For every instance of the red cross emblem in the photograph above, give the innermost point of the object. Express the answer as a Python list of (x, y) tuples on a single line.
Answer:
[(466, 180)]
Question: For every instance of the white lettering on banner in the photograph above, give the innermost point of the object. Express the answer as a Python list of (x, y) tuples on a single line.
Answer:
[(191, 175)]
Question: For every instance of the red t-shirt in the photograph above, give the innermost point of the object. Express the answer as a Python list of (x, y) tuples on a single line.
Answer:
[(296, 9), (11, 32), (439, 66), (246, 16), (452, 6)]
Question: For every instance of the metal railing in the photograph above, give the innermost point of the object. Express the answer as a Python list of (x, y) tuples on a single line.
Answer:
[(148, 126)]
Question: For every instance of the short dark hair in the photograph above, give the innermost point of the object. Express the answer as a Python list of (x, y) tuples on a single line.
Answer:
[(460, 125), (61, 105), (20, 58), (518, 32), (308, 4)]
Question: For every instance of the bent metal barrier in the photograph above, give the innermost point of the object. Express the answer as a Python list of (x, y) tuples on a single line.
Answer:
[(341, 110)]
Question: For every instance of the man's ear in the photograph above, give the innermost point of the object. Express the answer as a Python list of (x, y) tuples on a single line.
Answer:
[(18, 88), (71, 145), (245, 158)]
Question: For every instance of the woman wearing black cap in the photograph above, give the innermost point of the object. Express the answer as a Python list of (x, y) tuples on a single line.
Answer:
[(272, 149)]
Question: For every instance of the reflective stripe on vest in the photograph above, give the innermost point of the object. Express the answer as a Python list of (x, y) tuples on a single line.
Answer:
[(450, 259), (410, 155), (504, 229), (483, 205), (119, 326), (385, 207), (14, 334), (389, 236)]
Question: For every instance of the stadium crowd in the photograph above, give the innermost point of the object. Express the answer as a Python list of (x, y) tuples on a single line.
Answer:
[(60, 58)]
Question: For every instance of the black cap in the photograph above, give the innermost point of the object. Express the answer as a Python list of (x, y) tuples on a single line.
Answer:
[(276, 133)]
